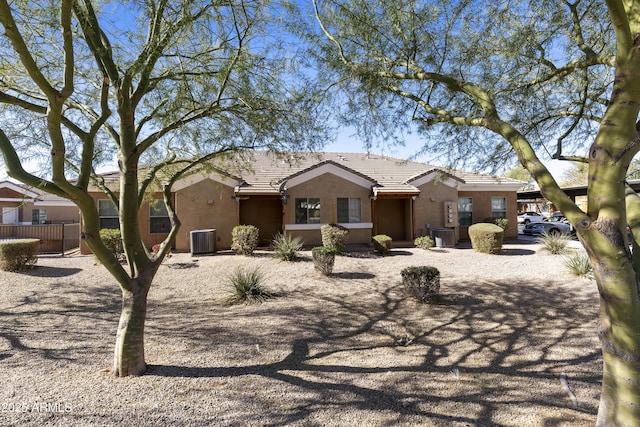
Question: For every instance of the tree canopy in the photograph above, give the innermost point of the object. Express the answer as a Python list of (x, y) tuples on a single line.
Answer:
[(439, 69)]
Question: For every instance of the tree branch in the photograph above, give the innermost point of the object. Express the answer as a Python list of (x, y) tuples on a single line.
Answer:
[(20, 47)]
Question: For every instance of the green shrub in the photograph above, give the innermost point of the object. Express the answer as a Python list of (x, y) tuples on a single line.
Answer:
[(555, 243), (422, 283), (286, 247), (382, 243), (244, 239), (112, 239), (500, 222), (424, 242), (323, 259), (578, 263), (247, 286), (334, 237), (18, 255), (486, 238)]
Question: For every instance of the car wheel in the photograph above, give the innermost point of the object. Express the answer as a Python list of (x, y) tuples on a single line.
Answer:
[(526, 221), (555, 232)]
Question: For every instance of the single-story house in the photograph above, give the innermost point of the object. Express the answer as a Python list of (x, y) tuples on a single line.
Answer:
[(297, 193), (22, 205)]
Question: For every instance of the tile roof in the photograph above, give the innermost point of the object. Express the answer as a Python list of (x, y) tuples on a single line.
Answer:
[(261, 172), (388, 174)]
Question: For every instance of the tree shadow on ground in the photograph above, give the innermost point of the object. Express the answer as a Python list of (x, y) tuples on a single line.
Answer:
[(66, 310), (475, 354), (45, 271), (398, 252), (485, 347), (515, 252), (353, 275), (181, 265)]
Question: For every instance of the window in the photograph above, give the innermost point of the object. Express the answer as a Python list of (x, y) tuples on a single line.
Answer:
[(465, 211), (498, 207), (108, 214), (158, 217), (38, 216), (308, 211), (349, 210)]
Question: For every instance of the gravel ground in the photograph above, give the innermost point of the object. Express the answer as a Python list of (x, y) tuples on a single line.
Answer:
[(324, 352)]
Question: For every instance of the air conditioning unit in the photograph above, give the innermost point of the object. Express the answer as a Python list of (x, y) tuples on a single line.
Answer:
[(202, 241)]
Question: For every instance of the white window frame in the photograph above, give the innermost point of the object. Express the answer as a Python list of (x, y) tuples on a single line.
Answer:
[(354, 210), (309, 201), (42, 216), (498, 213)]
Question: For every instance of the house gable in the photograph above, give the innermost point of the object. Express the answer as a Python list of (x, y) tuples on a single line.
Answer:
[(218, 176), (435, 175), (10, 192), (325, 167)]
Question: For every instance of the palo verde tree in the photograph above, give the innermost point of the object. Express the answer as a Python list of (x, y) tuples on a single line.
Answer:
[(166, 87), (480, 79)]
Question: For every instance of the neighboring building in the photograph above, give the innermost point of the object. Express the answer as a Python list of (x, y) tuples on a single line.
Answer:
[(532, 200), (369, 194), (24, 205)]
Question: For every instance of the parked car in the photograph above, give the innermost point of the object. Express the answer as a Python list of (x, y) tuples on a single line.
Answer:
[(559, 217), (553, 226), (528, 217)]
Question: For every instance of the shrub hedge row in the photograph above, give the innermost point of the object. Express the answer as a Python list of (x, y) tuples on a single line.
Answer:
[(19, 254)]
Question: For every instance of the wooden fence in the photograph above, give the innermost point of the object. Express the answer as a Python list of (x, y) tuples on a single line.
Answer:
[(54, 238)]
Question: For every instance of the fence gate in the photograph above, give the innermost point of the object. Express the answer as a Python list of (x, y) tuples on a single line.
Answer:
[(54, 238)]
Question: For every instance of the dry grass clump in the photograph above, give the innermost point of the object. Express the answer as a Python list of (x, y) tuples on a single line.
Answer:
[(555, 243), (247, 286)]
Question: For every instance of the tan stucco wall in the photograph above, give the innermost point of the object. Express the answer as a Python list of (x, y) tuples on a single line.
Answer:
[(328, 188), (482, 209), (204, 205), (429, 207)]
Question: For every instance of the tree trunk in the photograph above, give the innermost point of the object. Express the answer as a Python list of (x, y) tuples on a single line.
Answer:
[(619, 333), (129, 350)]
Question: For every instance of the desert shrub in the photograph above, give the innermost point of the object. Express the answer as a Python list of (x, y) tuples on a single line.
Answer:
[(555, 243), (382, 243), (247, 287), (578, 264), (244, 239), (334, 237), (424, 242), (422, 283), (486, 238), (286, 247), (500, 222), (112, 239), (323, 259), (18, 255)]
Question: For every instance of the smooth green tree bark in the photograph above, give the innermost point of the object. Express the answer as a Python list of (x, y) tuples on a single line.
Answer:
[(496, 80)]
